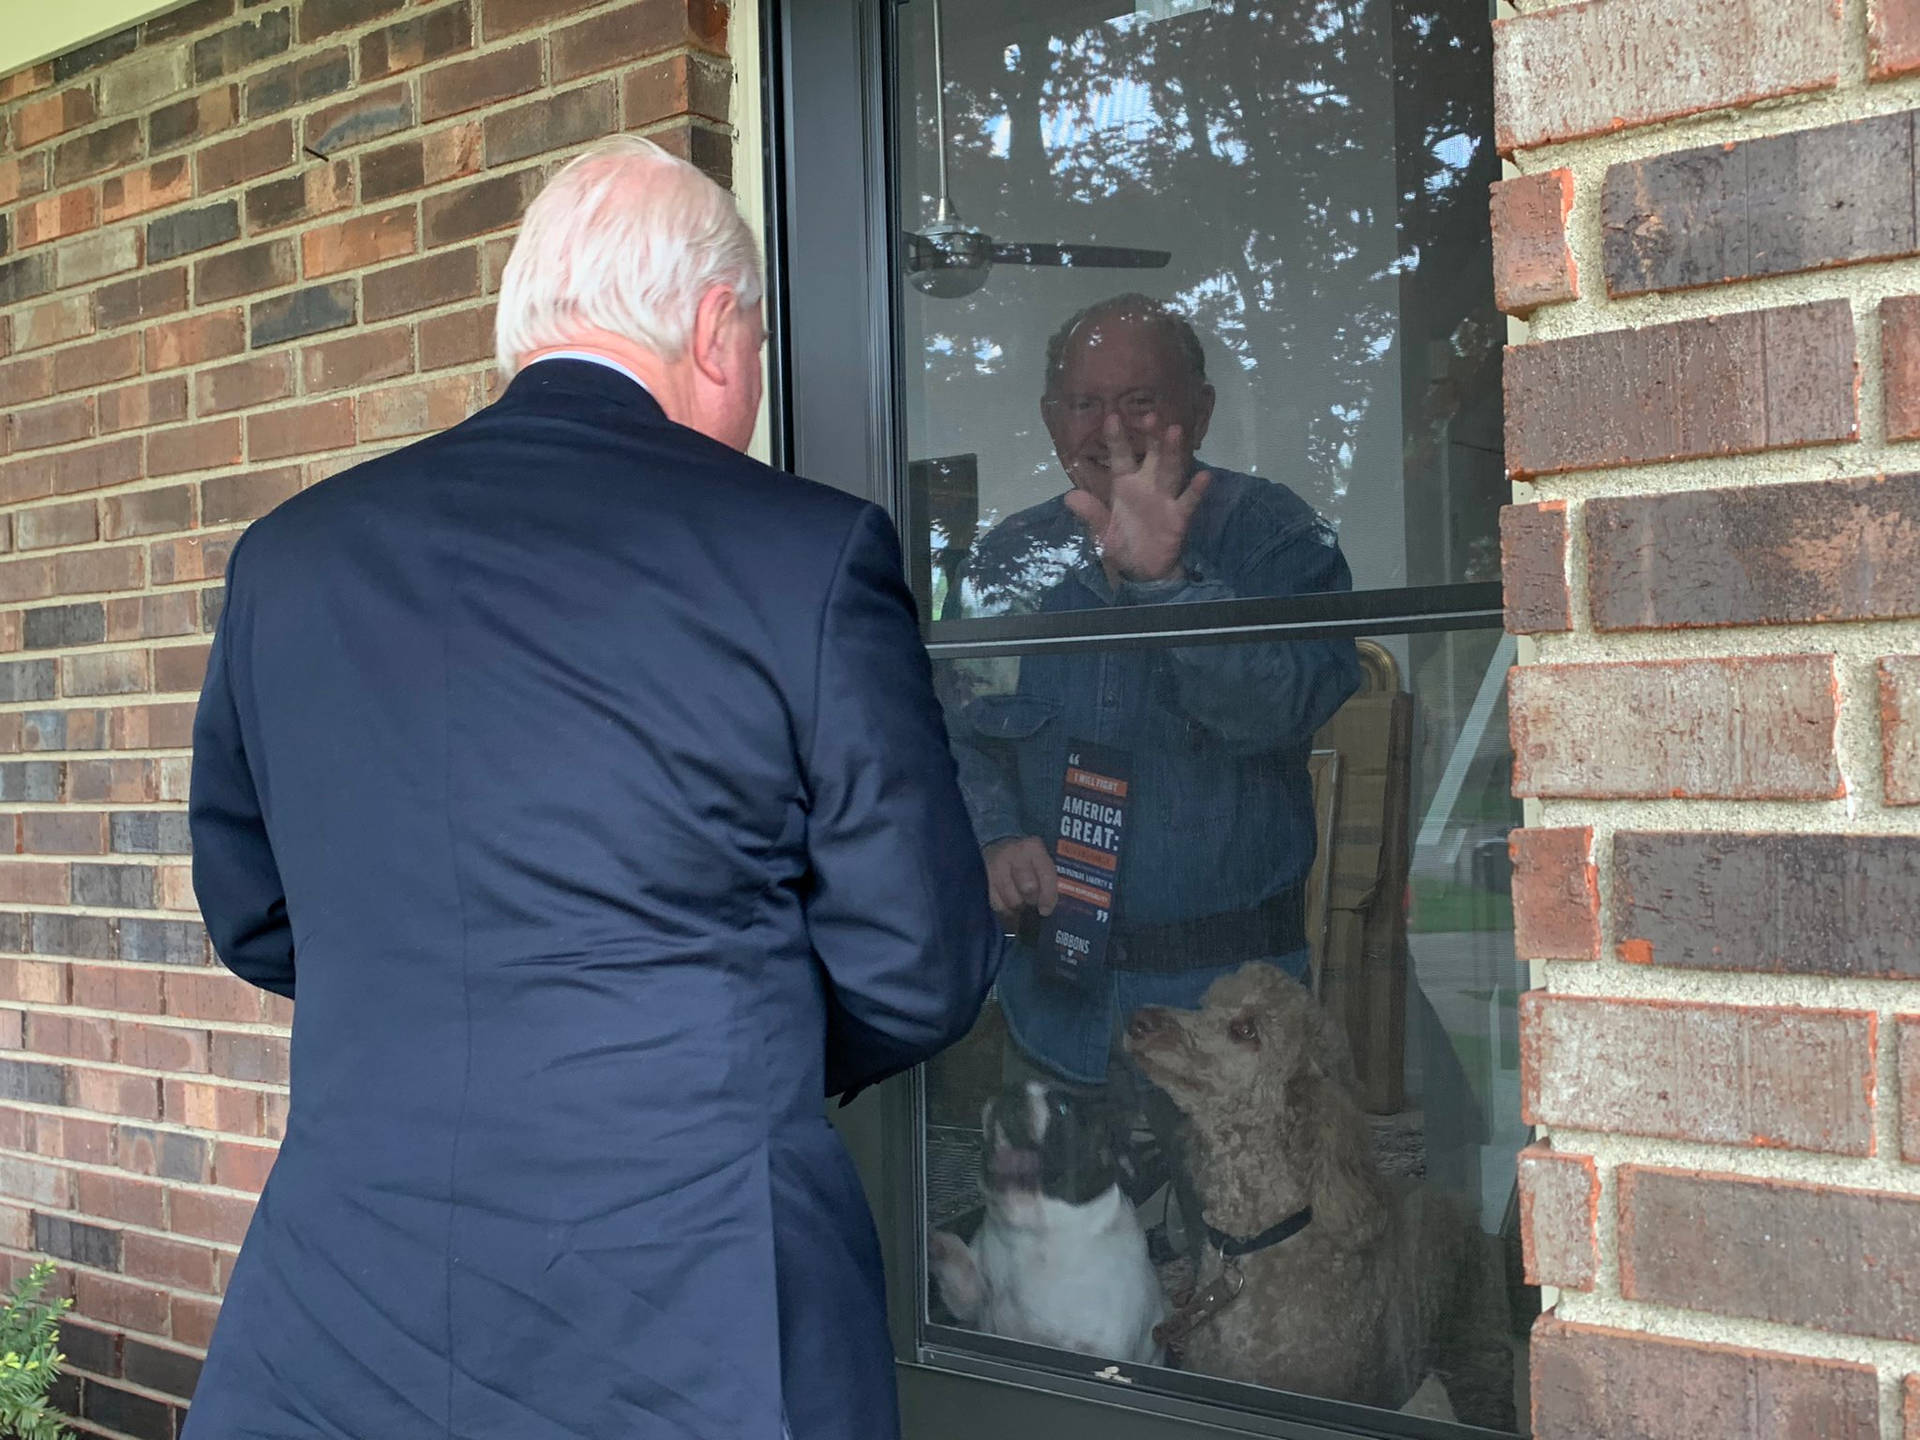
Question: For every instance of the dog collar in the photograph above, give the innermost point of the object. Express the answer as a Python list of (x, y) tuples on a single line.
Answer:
[(1234, 1246)]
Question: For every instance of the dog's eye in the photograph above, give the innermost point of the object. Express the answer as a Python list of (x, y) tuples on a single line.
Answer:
[(1245, 1031)]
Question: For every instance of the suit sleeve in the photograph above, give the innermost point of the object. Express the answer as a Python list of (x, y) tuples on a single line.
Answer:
[(897, 908), (234, 874)]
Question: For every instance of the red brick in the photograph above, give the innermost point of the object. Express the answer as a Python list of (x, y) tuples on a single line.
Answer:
[(315, 191), (121, 1303), (1533, 564), (156, 187), (87, 1142), (1559, 1217), (93, 572), (29, 579), (351, 362), (242, 1167), (22, 177), (1590, 1382), (1758, 555), (26, 380), (415, 164), (31, 883), (354, 244), (97, 467), (72, 524), (144, 297), (242, 385), (1907, 1044), (34, 982), (1532, 263), (75, 1037), (56, 217), (195, 118), (192, 557), (116, 1093), (167, 1262), (109, 148), (134, 407), (707, 148), (38, 121), (134, 85), (445, 31), (215, 996), (226, 499), (1751, 728), (46, 1185), (115, 1197), (25, 82), (1900, 729), (494, 255), (260, 1059), (325, 425), (116, 987), (1556, 894), (114, 782), (1577, 70), (196, 339), (179, 669), (551, 122), (1910, 1407), (402, 410), (163, 1047), (420, 284), (52, 832), (1726, 385), (458, 338), (53, 323), (193, 1320), (176, 882), (1734, 1246), (97, 363), (496, 203), (147, 512), (204, 446), (679, 85), (1893, 37), (499, 18), (247, 156), (1842, 905), (633, 32), (219, 1109), (1900, 359), (1793, 1079), (366, 115), (482, 81), (105, 672), (57, 424), (242, 272), (1777, 205)]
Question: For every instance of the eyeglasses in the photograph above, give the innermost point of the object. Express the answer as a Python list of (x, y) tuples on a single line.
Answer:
[(1130, 405)]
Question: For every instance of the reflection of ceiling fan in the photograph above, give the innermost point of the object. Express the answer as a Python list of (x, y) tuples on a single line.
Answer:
[(950, 258)]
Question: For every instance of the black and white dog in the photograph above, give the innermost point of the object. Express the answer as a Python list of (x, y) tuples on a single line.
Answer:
[(1060, 1259)]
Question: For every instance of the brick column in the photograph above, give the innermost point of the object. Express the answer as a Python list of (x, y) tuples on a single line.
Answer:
[(1716, 547), (242, 247)]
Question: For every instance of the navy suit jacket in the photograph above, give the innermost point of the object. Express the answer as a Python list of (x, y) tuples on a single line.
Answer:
[(583, 781)]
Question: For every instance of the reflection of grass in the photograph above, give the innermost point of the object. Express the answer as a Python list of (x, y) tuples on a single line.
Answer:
[(1440, 906)]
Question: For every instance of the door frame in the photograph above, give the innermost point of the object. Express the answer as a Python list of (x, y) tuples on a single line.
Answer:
[(831, 205)]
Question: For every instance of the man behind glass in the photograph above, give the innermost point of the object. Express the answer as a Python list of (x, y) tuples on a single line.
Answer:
[(1216, 737)]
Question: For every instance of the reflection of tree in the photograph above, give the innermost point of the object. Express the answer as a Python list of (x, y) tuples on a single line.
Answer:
[(1248, 121)]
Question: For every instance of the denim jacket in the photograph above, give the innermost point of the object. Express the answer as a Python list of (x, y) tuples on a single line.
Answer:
[(1218, 735)]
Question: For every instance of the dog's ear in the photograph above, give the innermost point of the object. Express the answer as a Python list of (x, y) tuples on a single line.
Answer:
[(1348, 1194)]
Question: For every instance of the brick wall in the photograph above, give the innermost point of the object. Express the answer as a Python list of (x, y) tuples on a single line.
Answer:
[(1710, 230), (241, 248)]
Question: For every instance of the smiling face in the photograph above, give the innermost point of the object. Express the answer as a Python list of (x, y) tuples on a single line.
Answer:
[(1130, 366), (1044, 1144)]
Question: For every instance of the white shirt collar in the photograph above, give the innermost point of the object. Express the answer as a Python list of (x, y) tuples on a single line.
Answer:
[(593, 359)]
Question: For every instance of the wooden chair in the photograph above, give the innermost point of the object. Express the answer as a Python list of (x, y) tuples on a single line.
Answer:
[(1356, 917)]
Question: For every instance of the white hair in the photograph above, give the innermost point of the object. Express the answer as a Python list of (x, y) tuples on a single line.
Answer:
[(626, 239)]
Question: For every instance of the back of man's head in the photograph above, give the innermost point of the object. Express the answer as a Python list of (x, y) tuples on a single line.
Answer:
[(625, 240)]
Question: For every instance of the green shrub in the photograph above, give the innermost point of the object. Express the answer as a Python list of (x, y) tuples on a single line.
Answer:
[(30, 1359)]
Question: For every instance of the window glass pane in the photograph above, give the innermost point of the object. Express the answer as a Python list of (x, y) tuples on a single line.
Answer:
[(1257, 1072), (1294, 195)]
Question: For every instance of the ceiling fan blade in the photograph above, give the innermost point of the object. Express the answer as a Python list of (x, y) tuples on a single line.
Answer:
[(1117, 257)]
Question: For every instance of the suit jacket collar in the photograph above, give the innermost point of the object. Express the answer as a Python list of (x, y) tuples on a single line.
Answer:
[(541, 384)]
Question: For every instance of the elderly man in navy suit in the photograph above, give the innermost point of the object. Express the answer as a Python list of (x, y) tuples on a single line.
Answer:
[(583, 782)]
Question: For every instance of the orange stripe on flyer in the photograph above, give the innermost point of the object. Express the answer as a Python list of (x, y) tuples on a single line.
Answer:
[(1100, 784), (1071, 850), (1085, 892)]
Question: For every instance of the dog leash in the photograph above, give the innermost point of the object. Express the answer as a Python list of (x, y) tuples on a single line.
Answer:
[(1192, 1311)]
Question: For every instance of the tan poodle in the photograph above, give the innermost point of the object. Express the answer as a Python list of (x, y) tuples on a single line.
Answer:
[(1320, 1277)]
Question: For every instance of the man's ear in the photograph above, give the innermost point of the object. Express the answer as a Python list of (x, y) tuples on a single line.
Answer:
[(1202, 415), (713, 318)]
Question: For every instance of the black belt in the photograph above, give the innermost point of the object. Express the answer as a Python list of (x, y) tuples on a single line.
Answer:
[(1276, 926)]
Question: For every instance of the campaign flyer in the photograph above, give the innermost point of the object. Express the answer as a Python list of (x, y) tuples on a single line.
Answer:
[(1087, 845)]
